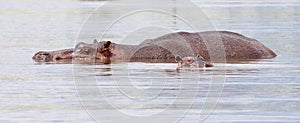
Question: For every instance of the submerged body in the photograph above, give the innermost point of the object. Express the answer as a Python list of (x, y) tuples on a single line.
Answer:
[(165, 48)]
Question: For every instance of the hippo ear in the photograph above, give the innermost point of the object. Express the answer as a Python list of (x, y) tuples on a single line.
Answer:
[(95, 41), (107, 44), (178, 59)]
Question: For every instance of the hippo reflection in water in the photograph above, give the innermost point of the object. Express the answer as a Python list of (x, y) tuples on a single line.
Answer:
[(165, 48)]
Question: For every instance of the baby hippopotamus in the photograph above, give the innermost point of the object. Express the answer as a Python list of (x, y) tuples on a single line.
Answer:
[(192, 62)]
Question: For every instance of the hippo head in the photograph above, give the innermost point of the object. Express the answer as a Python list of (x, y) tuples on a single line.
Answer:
[(192, 62), (82, 51), (85, 50)]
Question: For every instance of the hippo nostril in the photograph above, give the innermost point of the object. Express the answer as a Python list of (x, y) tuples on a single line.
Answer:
[(57, 57)]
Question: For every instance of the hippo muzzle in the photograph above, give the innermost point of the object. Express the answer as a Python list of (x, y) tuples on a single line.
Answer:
[(42, 56)]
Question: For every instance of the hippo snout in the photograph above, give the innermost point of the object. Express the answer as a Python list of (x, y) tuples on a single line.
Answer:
[(42, 56)]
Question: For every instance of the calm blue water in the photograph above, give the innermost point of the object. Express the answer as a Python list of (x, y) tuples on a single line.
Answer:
[(259, 91)]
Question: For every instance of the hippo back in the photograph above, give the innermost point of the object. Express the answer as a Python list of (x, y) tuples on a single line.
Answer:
[(236, 46)]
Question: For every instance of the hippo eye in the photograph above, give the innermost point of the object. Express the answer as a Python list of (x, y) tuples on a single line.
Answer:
[(85, 51)]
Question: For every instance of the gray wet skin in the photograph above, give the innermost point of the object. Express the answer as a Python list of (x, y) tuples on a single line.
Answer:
[(192, 62)]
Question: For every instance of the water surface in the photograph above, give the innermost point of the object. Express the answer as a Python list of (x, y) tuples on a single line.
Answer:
[(265, 90)]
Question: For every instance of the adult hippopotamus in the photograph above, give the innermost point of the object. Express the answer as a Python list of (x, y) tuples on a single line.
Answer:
[(166, 47)]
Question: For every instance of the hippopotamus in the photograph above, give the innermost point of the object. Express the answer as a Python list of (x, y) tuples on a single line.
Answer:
[(192, 62), (165, 48)]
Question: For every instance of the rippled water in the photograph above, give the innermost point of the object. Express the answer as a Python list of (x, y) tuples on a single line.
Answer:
[(265, 90)]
